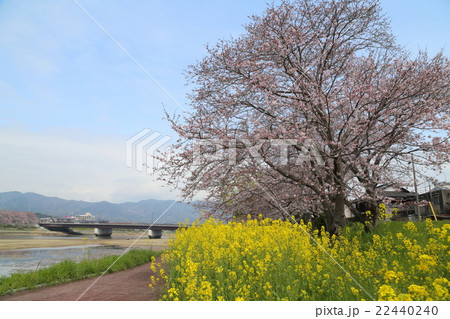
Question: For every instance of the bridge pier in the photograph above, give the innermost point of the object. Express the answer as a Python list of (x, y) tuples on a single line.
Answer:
[(153, 233), (103, 232)]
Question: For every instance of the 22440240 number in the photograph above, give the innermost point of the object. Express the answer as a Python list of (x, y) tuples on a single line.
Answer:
[(407, 310)]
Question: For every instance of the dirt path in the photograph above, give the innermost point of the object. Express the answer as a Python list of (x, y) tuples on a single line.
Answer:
[(128, 285)]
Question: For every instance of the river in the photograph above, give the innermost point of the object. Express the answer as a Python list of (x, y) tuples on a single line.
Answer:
[(73, 247)]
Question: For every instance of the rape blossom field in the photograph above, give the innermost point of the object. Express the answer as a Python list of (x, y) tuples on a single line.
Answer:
[(265, 259)]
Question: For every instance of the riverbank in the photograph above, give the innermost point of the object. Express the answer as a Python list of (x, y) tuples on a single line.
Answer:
[(128, 285), (69, 271)]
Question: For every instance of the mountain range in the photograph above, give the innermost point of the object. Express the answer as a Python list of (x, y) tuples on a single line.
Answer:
[(144, 211)]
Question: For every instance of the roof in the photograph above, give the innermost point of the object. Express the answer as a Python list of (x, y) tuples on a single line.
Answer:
[(397, 194), (441, 186), (389, 190)]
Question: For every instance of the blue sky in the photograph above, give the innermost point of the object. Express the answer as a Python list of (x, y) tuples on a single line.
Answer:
[(70, 97)]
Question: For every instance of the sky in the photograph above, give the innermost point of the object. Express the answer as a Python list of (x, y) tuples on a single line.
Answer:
[(74, 90)]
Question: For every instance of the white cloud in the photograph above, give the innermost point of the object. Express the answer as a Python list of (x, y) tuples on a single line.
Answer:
[(82, 167)]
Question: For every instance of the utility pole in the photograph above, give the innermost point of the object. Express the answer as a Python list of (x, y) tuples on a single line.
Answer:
[(416, 208)]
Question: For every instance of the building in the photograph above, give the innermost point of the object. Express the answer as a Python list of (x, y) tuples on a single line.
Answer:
[(402, 202), (86, 218), (439, 197), (399, 201)]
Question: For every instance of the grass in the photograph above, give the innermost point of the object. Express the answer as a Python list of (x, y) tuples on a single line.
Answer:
[(394, 227), (68, 270)]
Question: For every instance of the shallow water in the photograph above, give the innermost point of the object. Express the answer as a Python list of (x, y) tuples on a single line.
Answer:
[(22, 260)]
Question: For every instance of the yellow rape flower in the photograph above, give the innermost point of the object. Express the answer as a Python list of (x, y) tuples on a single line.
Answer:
[(386, 293)]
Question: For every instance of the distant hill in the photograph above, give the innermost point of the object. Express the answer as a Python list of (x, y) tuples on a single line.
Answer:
[(141, 211)]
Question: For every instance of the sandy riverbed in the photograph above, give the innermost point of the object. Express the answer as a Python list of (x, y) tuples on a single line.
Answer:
[(36, 238)]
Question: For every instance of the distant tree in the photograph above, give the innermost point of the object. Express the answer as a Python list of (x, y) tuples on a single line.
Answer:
[(17, 219), (328, 76)]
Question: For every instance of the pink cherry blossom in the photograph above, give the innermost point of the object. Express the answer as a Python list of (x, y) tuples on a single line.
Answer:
[(322, 72)]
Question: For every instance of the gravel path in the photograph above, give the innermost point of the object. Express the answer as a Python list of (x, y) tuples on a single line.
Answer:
[(128, 285)]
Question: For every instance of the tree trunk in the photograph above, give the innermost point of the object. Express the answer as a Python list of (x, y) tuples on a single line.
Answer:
[(336, 219)]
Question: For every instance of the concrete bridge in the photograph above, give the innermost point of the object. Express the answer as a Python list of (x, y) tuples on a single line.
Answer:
[(105, 229)]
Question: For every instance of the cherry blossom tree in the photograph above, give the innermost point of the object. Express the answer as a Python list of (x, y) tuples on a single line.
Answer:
[(313, 107), (17, 219)]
